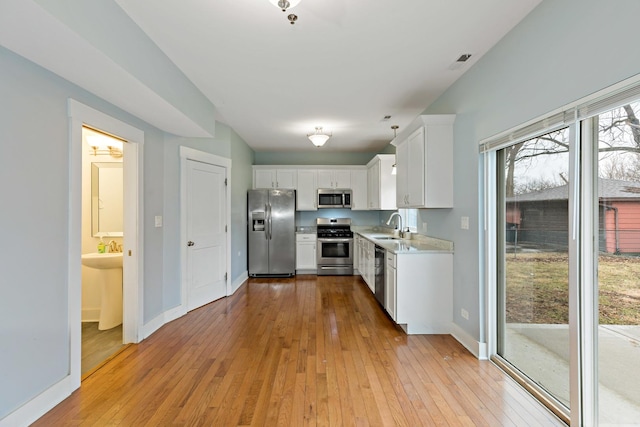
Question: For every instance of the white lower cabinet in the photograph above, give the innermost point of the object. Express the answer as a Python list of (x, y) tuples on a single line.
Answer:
[(424, 293), (390, 284), (418, 287), (366, 261), (306, 252)]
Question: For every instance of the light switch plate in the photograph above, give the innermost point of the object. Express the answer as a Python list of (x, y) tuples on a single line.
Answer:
[(464, 222)]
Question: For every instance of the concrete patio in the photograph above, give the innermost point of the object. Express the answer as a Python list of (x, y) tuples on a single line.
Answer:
[(543, 351)]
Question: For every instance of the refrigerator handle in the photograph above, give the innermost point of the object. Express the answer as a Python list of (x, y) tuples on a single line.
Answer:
[(266, 221), (270, 223)]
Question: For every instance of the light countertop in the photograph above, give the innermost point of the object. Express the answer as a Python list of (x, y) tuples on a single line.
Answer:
[(418, 244), (306, 229)]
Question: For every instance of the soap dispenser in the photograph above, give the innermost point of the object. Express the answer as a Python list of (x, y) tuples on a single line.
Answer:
[(101, 246)]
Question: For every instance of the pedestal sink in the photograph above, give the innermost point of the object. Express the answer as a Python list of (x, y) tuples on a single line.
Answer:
[(110, 282)]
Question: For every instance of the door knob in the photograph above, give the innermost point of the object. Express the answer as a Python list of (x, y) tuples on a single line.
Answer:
[(190, 243)]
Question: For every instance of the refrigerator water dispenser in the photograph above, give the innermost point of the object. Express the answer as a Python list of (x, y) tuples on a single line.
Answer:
[(258, 221)]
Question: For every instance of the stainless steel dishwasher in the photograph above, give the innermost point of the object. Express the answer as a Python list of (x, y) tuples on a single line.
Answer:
[(379, 270)]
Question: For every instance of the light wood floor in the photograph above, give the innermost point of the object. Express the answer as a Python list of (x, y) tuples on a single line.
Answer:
[(292, 352), (97, 345)]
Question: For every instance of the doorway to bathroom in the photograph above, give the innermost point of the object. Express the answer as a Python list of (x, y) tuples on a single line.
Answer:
[(102, 244), (114, 152)]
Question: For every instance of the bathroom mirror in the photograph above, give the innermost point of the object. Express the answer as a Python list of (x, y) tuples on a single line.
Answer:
[(107, 199)]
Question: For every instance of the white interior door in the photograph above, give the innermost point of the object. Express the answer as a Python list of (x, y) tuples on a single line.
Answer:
[(206, 236)]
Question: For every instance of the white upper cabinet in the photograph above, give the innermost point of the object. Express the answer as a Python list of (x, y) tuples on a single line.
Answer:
[(402, 176), (359, 189), (424, 161), (381, 183), (334, 178), (307, 179), (274, 178), (306, 194)]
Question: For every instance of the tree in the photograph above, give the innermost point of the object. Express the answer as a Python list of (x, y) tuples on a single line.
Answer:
[(618, 147)]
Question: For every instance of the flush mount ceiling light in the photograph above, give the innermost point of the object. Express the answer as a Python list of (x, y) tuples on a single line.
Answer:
[(104, 145), (318, 138)]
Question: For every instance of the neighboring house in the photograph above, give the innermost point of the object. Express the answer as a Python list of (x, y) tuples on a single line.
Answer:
[(541, 217)]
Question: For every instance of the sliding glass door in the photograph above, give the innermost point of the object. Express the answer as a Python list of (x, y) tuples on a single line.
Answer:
[(533, 290), (618, 264), (566, 259)]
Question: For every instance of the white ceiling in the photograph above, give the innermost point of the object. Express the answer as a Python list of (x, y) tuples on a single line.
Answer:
[(344, 65)]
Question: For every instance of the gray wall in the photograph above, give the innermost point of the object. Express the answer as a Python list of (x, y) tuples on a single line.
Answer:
[(241, 181), (34, 192), (358, 218), (107, 27), (562, 51), (319, 157)]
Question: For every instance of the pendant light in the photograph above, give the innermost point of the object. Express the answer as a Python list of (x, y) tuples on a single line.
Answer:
[(394, 170)]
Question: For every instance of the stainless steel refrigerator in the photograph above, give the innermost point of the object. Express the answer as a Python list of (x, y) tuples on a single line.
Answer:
[(272, 232)]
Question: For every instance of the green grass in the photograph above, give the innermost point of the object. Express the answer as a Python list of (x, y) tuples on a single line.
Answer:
[(537, 289)]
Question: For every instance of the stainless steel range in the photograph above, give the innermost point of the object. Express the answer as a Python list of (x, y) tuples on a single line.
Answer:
[(335, 247)]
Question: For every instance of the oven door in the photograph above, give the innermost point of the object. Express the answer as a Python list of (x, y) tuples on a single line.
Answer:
[(332, 251)]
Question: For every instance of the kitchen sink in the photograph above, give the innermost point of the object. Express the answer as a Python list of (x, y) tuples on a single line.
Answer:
[(387, 238)]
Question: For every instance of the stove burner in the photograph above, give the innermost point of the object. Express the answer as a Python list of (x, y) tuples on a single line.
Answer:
[(336, 234), (336, 228)]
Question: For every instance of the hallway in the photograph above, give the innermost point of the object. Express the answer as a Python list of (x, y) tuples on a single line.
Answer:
[(302, 351)]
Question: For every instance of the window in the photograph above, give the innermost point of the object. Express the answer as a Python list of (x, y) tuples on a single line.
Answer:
[(533, 290), (409, 219)]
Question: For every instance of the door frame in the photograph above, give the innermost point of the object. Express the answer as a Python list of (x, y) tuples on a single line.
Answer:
[(186, 154), (80, 114)]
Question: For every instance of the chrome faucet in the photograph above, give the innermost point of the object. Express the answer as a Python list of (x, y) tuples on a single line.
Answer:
[(396, 214)]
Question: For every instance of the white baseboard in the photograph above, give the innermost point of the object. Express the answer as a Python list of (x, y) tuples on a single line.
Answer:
[(39, 405), (48, 399), (477, 348), (162, 319), (179, 311), (239, 282), (174, 313), (91, 314)]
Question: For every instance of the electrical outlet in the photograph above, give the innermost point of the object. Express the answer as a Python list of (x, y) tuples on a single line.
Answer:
[(424, 227), (464, 313), (464, 222), (158, 220)]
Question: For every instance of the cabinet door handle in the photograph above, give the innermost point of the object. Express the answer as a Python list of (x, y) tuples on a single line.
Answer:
[(190, 243)]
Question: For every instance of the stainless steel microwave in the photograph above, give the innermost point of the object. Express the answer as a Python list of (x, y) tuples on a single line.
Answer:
[(333, 198)]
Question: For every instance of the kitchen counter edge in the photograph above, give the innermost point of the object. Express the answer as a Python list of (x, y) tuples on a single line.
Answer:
[(418, 244)]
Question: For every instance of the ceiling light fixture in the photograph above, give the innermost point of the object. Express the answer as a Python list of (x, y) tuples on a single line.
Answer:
[(284, 5), (318, 138)]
